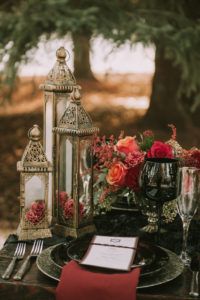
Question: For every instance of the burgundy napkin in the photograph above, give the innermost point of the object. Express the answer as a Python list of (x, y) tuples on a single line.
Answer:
[(80, 283)]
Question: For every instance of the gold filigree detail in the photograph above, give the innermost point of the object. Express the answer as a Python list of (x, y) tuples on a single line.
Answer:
[(34, 157), (177, 149), (60, 78)]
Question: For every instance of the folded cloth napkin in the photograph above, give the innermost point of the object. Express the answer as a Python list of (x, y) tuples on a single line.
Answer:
[(80, 283)]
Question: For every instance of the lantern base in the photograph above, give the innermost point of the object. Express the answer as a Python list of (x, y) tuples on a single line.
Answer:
[(33, 234), (64, 231)]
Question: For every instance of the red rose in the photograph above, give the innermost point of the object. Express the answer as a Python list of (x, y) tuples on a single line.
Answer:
[(127, 145), (36, 212), (38, 208), (160, 150), (63, 196), (30, 216), (69, 209), (33, 218), (132, 178), (116, 174)]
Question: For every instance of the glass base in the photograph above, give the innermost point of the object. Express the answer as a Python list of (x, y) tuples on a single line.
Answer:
[(150, 228), (186, 259)]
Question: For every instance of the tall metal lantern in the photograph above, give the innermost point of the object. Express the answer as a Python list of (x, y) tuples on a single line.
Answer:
[(34, 171), (57, 87), (75, 134)]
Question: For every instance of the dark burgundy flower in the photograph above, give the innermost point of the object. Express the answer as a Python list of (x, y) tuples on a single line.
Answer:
[(132, 178), (192, 158)]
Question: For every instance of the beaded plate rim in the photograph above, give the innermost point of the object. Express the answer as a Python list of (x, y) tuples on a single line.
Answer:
[(172, 270)]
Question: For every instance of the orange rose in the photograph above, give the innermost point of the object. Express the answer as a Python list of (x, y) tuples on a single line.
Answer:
[(116, 174), (127, 145)]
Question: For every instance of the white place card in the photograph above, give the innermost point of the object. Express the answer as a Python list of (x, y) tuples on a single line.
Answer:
[(111, 252)]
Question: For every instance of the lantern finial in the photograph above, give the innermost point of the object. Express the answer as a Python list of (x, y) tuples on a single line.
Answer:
[(61, 54), (34, 133)]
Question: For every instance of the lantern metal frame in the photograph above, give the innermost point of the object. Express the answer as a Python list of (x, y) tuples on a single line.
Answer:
[(33, 163), (75, 124), (57, 88)]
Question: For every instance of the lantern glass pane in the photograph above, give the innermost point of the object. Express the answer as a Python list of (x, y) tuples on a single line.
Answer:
[(48, 138), (65, 207), (48, 128), (35, 198), (62, 102), (85, 179), (34, 189)]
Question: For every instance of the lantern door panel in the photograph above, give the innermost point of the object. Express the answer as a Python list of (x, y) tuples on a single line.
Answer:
[(65, 201), (34, 199), (48, 135), (48, 141), (85, 180)]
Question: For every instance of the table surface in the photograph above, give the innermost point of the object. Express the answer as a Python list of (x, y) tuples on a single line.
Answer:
[(36, 286)]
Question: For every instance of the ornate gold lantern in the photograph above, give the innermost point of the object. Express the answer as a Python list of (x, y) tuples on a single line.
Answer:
[(75, 134), (57, 87), (34, 171)]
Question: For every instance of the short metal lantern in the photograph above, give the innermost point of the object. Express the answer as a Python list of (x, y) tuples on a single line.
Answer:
[(34, 171), (75, 134), (57, 88)]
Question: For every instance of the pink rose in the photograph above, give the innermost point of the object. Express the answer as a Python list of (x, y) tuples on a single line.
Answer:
[(160, 150), (127, 145), (116, 174)]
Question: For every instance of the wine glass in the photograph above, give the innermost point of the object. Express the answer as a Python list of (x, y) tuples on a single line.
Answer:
[(188, 189), (158, 182)]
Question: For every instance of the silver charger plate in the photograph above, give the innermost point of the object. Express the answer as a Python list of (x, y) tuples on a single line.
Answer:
[(170, 271)]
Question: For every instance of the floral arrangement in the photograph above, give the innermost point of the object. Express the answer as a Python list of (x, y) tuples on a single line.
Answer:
[(36, 212), (67, 205), (118, 162)]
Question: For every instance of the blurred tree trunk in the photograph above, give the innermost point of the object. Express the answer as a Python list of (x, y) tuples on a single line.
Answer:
[(82, 69), (165, 107)]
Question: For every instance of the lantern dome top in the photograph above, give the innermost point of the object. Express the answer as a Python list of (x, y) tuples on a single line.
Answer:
[(75, 120), (34, 133), (60, 77), (34, 158), (61, 53)]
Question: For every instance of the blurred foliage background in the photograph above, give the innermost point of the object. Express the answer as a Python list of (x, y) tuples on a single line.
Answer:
[(171, 26)]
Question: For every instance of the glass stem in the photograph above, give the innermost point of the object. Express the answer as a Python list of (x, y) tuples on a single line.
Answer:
[(186, 225), (159, 211)]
